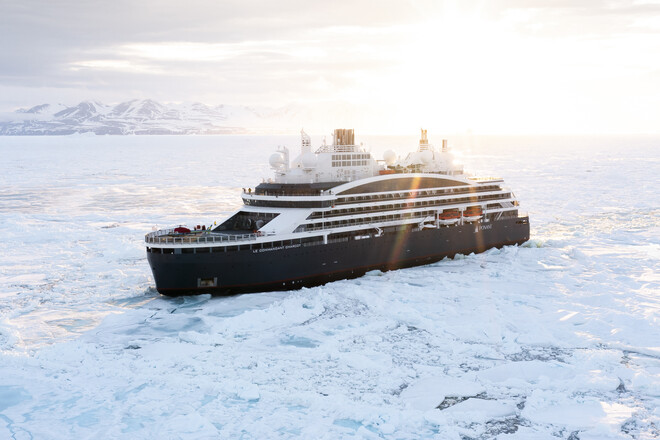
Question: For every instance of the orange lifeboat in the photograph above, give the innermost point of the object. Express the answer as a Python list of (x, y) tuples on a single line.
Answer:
[(473, 213), (449, 217)]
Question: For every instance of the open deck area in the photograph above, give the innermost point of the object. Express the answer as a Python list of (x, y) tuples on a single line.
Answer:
[(169, 236)]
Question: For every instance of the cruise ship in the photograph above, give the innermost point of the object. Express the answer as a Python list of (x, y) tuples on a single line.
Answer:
[(337, 213)]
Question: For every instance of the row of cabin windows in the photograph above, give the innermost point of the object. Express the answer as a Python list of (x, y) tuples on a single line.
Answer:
[(350, 163), (361, 156), (286, 190), (289, 204), (415, 194), (244, 247), (365, 220), (348, 200), (422, 203), (385, 218)]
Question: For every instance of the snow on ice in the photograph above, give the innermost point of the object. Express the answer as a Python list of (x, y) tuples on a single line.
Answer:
[(558, 338)]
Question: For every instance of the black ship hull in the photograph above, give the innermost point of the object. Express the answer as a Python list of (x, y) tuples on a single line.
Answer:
[(293, 264)]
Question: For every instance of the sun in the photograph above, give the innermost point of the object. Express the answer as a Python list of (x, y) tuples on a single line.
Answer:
[(462, 72)]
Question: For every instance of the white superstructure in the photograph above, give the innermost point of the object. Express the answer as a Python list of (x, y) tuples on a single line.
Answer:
[(341, 190)]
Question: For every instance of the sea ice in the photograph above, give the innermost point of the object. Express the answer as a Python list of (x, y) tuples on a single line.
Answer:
[(557, 338)]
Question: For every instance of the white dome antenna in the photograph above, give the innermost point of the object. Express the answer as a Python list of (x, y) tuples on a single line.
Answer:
[(390, 157), (279, 161), (426, 157)]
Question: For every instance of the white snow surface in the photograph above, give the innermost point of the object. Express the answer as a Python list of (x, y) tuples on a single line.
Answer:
[(556, 339)]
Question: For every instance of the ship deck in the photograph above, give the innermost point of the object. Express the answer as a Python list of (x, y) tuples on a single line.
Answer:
[(168, 236)]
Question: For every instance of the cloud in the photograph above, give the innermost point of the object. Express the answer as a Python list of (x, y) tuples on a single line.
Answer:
[(583, 18), (62, 41), (468, 56)]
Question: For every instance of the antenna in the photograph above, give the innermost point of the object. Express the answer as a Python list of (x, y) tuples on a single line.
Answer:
[(305, 143)]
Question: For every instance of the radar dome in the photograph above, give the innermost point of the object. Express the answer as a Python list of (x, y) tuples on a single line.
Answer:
[(426, 157), (390, 157), (309, 160), (276, 160)]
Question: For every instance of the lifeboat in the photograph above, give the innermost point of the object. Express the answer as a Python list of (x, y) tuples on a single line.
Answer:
[(428, 223), (473, 213), (449, 217)]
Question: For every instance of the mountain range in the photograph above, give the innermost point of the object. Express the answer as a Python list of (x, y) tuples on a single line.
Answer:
[(150, 117)]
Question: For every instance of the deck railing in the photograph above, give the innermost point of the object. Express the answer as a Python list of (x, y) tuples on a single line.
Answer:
[(167, 236)]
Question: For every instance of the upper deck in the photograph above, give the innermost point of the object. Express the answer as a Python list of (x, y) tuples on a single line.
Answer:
[(392, 186)]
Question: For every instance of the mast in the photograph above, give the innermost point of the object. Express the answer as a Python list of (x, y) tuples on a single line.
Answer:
[(305, 143)]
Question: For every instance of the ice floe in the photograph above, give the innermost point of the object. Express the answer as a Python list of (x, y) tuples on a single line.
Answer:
[(558, 338)]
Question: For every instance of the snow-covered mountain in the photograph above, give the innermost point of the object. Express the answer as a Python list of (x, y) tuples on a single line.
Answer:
[(150, 117)]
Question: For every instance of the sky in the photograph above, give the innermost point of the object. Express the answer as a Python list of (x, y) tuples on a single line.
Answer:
[(485, 67)]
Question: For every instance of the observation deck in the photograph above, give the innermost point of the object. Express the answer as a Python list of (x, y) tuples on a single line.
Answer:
[(169, 236)]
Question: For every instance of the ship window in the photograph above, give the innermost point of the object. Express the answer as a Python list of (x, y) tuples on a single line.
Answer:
[(232, 248), (245, 221), (207, 282), (188, 250), (168, 250), (203, 250), (244, 247)]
